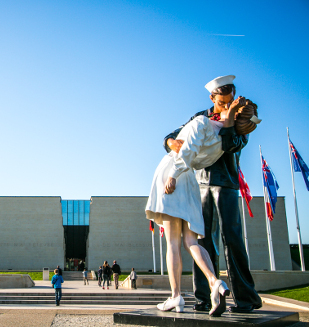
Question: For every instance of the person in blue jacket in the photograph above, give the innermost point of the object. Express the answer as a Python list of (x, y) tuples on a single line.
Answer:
[(57, 280)]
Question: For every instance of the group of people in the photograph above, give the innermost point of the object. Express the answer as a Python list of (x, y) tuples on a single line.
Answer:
[(105, 272), (194, 194)]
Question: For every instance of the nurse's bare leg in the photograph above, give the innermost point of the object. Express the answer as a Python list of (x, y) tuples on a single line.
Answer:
[(219, 289), (198, 253), (172, 230)]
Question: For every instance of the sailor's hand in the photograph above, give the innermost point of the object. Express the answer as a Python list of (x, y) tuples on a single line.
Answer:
[(228, 116), (170, 185), (240, 110), (174, 145), (238, 103)]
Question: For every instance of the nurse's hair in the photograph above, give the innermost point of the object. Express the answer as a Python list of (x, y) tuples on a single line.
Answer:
[(246, 119)]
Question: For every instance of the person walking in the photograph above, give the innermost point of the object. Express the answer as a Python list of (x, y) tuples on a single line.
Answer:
[(57, 280), (116, 272), (100, 272), (133, 278), (106, 272), (85, 276)]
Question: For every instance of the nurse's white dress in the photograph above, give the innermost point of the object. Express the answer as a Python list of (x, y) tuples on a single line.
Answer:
[(201, 148)]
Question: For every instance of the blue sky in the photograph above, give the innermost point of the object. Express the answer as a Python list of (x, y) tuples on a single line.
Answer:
[(89, 89)]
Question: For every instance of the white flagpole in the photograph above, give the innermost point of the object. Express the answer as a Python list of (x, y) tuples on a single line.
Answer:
[(153, 253), (245, 229), (300, 245), (161, 253), (269, 238)]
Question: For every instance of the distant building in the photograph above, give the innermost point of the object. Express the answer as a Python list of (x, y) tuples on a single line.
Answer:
[(39, 232)]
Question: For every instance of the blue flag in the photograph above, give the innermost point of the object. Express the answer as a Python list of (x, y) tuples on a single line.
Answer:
[(299, 164), (271, 186)]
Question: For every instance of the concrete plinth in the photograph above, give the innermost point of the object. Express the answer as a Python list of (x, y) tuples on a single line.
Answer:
[(154, 317), (264, 280), (15, 281)]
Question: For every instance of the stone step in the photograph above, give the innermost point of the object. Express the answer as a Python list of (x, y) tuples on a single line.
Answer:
[(92, 298), (106, 293), (93, 302), (75, 275), (107, 298)]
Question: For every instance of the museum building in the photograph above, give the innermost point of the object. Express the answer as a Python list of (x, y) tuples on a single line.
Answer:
[(46, 231)]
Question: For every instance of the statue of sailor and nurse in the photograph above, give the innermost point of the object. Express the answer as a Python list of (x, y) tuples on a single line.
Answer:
[(195, 192)]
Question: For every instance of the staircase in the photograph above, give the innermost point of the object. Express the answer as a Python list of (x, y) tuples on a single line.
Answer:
[(75, 275), (92, 298)]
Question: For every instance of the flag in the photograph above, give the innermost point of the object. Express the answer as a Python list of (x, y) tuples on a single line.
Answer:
[(161, 231), (299, 164), (244, 190), (270, 189), (151, 226)]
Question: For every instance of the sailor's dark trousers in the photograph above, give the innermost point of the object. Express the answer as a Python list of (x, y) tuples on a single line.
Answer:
[(220, 208)]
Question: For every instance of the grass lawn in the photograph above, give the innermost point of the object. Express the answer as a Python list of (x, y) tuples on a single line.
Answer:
[(123, 276), (35, 275), (38, 275), (301, 293)]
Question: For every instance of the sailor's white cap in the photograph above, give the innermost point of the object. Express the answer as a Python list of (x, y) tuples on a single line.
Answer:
[(219, 81)]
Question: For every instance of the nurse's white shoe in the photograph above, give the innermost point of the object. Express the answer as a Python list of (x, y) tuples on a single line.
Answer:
[(218, 294), (178, 303)]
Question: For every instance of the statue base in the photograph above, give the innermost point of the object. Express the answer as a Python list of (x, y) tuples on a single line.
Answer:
[(154, 317)]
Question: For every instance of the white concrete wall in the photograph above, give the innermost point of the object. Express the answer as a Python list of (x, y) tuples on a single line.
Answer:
[(257, 237), (120, 231), (264, 280), (31, 233), (15, 281)]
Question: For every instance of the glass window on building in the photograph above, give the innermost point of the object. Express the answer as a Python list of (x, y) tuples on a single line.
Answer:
[(75, 212)]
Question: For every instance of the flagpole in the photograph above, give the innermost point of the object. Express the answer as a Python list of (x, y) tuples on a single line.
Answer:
[(245, 229), (268, 228), (161, 253), (153, 253), (300, 245)]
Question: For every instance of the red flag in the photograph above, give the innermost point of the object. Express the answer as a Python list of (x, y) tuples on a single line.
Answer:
[(244, 190), (151, 226), (161, 231), (269, 210)]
